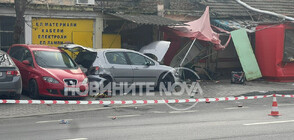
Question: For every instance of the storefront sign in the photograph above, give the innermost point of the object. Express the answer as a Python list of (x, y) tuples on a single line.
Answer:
[(53, 32)]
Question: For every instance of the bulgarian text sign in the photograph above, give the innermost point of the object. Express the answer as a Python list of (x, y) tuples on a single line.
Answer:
[(53, 32)]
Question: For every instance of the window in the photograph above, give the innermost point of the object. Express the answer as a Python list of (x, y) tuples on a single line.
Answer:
[(6, 31), (17, 53), (28, 56), (151, 56), (54, 59), (137, 59), (150, 61), (289, 46), (5, 61), (21, 54), (116, 58)]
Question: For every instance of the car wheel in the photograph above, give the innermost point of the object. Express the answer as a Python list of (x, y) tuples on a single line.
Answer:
[(34, 90), (165, 79), (16, 97), (107, 81)]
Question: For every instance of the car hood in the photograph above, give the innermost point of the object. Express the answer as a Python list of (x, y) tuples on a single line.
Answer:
[(60, 74), (157, 48), (74, 48)]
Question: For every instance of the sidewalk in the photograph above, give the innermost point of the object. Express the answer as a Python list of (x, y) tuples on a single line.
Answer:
[(224, 88), (221, 88)]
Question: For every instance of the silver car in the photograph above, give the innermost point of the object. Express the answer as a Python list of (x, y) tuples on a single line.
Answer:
[(121, 65), (10, 79)]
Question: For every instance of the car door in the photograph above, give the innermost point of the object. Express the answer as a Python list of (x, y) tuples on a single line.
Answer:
[(144, 69), (119, 67), (19, 54)]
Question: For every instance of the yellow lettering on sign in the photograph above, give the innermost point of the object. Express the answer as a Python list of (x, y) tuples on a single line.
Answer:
[(54, 32)]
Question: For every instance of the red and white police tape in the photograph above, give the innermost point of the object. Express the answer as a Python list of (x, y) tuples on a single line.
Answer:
[(138, 101), (286, 96)]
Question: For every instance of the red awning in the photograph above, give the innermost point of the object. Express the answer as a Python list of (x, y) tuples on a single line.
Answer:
[(199, 29)]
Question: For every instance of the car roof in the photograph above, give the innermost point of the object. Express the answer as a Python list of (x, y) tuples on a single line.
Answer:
[(114, 49), (77, 47), (35, 47)]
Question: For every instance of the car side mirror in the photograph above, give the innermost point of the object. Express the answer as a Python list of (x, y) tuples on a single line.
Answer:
[(147, 63), (26, 62)]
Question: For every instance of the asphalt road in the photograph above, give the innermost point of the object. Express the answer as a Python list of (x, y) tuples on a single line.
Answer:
[(223, 120)]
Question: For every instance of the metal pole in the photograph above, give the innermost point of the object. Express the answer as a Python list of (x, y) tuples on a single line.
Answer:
[(263, 11), (187, 52)]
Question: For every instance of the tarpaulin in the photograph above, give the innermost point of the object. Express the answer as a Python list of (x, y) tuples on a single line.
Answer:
[(199, 29)]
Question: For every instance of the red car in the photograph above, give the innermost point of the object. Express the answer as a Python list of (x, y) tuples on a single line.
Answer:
[(48, 71)]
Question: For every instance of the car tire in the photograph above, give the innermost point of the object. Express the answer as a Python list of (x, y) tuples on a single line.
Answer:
[(165, 78), (16, 97), (108, 80), (33, 89)]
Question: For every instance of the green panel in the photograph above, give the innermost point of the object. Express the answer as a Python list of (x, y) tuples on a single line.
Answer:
[(246, 55)]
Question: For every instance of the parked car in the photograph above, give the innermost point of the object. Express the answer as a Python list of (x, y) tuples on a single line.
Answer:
[(10, 79), (121, 65), (48, 71)]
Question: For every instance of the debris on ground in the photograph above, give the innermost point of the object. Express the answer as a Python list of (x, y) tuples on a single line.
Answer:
[(63, 122), (103, 95)]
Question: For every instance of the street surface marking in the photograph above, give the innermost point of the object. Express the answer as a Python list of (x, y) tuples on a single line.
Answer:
[(125, 116), (285, 104), (275, 122), (231, 108), (50, 121), (76, 139), (186, 111), (158, 112)]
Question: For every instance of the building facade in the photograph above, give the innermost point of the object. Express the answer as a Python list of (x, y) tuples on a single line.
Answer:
[(97, 24), (54, 23)]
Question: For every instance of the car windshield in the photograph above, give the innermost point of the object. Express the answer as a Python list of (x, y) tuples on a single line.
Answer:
[(5, 61), (54, 59)]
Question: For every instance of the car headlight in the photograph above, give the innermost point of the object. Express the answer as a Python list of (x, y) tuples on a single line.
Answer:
[(50, 80), (85, 81)]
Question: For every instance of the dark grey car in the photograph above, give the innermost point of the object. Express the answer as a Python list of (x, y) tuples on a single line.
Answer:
[(10, 79)]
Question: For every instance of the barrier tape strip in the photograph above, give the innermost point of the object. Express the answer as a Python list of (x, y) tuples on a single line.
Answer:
[(286, 96), (125, 102)]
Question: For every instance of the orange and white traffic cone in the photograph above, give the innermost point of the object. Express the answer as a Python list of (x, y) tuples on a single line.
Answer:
[(275, 110)]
